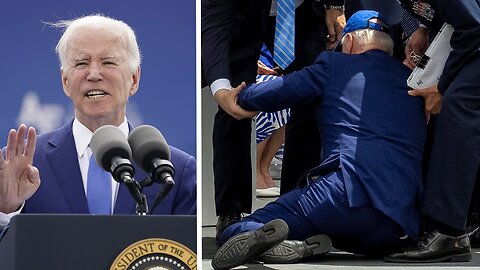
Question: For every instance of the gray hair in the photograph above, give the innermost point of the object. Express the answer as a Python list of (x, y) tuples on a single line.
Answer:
[(121, 30), (370, 37)]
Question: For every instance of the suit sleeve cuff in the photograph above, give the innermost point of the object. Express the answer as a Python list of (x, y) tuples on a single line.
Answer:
[(220, 84), (5, 218)]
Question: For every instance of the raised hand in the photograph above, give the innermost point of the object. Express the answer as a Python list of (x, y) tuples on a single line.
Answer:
[(19, 179), (335, 22)]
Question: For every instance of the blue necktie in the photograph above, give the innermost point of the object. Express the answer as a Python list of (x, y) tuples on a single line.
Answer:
[(284, 44), (99, 189)]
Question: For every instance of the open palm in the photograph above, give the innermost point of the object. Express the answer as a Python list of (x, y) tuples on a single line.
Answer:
[(18, 178)]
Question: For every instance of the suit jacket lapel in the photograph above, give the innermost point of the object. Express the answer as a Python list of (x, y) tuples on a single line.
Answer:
[(63, 160)]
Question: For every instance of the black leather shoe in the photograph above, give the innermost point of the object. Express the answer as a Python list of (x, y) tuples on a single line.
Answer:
[(246, 246), (224, 221), (475, 238), (436, 247), (292, 251), (474, 233)]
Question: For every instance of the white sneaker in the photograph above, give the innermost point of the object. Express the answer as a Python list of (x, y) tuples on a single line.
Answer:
[(268, 192)]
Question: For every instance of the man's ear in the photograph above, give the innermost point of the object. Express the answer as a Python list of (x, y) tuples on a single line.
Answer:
[(135, 81), (348, 44), (65, 83)]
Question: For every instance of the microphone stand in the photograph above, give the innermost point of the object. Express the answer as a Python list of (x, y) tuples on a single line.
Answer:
[(163, 174), (142, 209), (135, 189), (124, 171), (162, 194)]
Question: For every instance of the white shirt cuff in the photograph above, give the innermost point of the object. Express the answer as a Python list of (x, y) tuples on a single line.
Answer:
[(220, 84), (5, 218)]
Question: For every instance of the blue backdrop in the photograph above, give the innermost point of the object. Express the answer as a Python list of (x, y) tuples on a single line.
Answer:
[(31, 90)]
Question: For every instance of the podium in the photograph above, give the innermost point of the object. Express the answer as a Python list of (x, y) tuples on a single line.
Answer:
[(59, 241)]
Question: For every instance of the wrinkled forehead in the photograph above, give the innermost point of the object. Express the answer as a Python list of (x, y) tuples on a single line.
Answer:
[(96, 41)]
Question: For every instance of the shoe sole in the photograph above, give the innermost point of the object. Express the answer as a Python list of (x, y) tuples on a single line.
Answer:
[(466, 257), (246, 246), (287, 252)]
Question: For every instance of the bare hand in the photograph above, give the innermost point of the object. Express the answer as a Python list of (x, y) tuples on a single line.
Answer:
[(227, 99), (416, 45), (335, 22), (18, 178), (433, 99)]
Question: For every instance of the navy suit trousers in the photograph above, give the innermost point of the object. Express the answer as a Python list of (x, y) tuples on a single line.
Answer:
[(322, 207)]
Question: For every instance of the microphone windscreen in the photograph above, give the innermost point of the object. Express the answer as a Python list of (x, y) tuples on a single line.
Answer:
[(107, 142), (148, 143)]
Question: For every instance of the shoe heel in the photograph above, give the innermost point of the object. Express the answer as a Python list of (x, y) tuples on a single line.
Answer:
[(273, 231), (318, 245), (461, 258), (243, 247)]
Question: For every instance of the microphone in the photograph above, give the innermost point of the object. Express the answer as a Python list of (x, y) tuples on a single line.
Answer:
[(152, 154), (113, 153)]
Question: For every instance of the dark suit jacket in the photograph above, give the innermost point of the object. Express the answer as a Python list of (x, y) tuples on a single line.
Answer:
[(371, 129), (233, 32), (61, 189), (232, 35)]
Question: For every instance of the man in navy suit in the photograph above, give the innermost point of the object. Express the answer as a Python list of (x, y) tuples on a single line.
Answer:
[(454, 159), (100, 66), (364, 193)]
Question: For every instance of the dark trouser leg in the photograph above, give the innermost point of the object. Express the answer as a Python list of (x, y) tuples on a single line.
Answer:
[(474, 211), (456, 150), (302, 147), (232, 167)]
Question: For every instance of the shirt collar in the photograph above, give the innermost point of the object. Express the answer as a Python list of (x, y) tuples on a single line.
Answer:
[(82, 135)]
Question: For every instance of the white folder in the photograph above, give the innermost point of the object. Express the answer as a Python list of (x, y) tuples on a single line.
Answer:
[(429, 70)]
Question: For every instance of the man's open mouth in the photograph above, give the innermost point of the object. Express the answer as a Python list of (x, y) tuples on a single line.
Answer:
[(95, 94)]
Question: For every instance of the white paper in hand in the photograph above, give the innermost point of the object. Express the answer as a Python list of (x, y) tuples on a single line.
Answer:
[(430, 67)]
